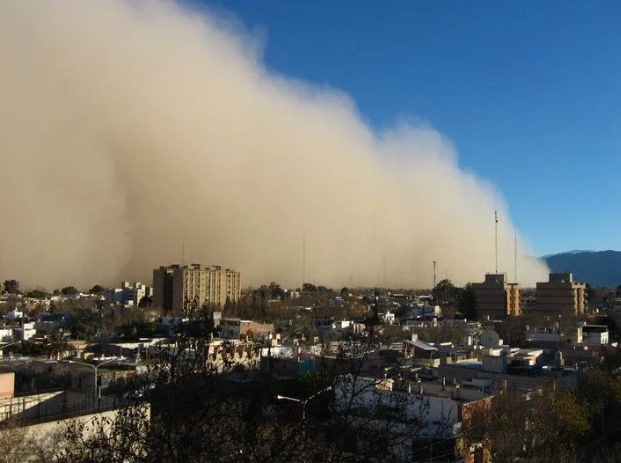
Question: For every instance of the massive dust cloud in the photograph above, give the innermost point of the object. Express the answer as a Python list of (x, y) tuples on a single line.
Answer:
[(130, 130)]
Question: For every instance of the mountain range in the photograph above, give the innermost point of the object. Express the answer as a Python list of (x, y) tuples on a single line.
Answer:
[(598, 268)]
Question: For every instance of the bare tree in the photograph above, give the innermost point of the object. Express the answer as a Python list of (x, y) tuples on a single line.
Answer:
[(19, 443)]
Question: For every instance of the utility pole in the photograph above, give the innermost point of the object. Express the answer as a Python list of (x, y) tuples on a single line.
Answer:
[(384, 277), (434, 273), (303, 260)]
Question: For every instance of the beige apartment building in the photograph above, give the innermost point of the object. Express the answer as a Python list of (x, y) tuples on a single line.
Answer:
[(560, 295), (183, 288), (496, 298)]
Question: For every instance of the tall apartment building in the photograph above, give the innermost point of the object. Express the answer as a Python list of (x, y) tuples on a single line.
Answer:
[(162, 286), (496, 298), (181, 288), (560, 295)]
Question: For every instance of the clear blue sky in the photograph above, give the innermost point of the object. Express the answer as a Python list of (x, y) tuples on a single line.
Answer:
[(528, 91)]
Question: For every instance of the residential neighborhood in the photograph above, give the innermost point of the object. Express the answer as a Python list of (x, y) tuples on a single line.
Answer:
[(399, 373)]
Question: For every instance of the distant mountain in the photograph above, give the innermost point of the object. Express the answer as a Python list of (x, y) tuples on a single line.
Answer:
[(598, 268), (575, 251)]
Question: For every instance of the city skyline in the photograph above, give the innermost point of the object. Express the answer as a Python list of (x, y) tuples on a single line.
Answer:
[(137, 129)]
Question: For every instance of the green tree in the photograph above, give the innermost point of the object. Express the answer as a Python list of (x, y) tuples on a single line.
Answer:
[(58, 346), (548, 424), (467, 302), (276, 292), (11, 286), (600, 391), (37, 294), (309, 288), (97, 290), (557, 424), (69, 291), (445, 293)]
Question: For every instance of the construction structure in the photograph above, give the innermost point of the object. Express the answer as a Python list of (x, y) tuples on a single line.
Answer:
[(495, 298), (182, 289)]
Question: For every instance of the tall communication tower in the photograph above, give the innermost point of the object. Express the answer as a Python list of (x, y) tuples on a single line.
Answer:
[(515, 256), (496, 238)]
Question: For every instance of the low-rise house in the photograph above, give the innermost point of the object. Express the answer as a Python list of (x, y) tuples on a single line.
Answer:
[(235, 328), (593, 335), (168, 325), (129, 294), (418, 310), (217, 355), (341, 329), (48, 323), (6, 334), (15, 314), (25, 332), (416, 348), (387, 317), (408, 416)]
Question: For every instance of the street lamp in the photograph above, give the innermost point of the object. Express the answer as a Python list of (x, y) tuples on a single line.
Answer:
[(94, 367), (305, 401)]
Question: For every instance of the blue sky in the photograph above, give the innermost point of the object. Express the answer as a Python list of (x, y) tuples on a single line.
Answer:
[(529, 92)]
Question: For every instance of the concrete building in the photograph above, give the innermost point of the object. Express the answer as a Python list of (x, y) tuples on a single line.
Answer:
[(219, 355), (496, 298), (24, 332), (234, 328), (181, 289), (415, 414), (163, 286), (593, 335), (560, 295), (32, 423), (340, 329), (6, 334), (129, 294)]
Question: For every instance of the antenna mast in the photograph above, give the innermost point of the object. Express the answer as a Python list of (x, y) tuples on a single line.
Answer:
[(303, 260), (496, 238), (384, 276), (515, 256)]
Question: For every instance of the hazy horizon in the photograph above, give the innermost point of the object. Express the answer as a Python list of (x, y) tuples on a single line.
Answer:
[(134, 129)]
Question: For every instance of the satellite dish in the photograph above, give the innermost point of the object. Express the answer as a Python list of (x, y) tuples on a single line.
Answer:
[(489, 338)]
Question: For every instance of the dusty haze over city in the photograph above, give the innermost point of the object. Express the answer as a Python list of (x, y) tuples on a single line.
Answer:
[(129, 130)]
